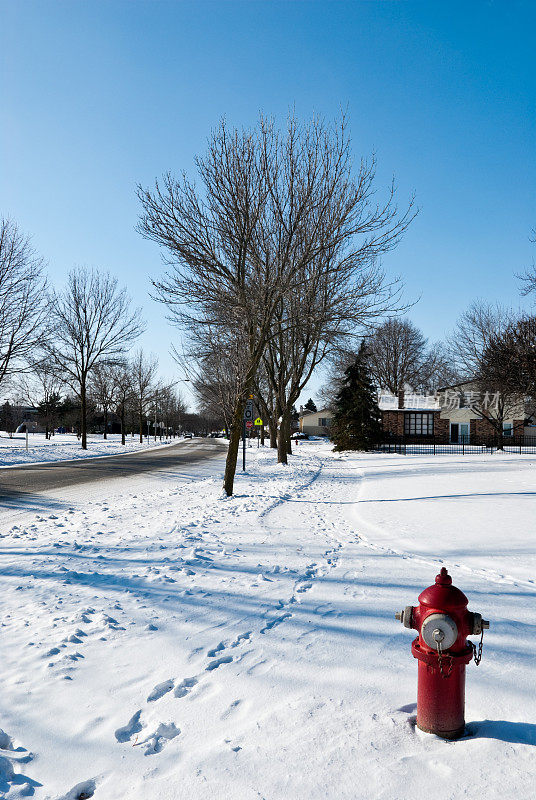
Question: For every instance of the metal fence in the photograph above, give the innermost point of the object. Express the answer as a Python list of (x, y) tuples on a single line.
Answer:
[(520, 445)]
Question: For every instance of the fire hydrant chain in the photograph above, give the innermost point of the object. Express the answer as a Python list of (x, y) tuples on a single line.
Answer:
[(440, 658), (477, 655)]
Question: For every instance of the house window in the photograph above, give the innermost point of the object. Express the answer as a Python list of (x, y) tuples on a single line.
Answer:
[(508, 428), (324, 422), (418, 424)]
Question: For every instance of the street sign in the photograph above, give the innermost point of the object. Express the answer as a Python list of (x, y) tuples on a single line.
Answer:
[(249, 424), (248, 411), (259, 421)]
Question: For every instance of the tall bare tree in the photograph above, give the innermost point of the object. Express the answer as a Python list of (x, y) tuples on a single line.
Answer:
[(143, 370), (22, 288), (123, 391), (91, 322), (473, 347), (271, 205), (41, 387), (103, 389), (400, 354), (528, 278)]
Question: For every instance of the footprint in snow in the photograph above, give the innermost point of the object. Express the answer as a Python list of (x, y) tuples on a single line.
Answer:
[(218, 662), (11, 757), (275, 622), (82, 791), (125, 733), (184, 687), (160, 690), (156, 741)]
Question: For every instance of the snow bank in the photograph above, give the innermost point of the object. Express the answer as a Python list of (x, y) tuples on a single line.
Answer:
[(159, 641), (65, 447)]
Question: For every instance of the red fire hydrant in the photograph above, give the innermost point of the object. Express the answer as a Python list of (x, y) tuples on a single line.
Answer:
[(442, 650)]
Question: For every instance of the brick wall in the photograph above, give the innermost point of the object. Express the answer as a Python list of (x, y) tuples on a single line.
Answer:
[(393, 423), (482, 429)]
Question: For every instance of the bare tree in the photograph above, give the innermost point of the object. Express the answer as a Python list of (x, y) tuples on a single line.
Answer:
[(528, 278), (91, 322), (400, 354), (510, 359), (22, 288), (473, 333), (171, 408), (272, 205), (143, 371), (123, 392), (473, 347), (103, 390), (42, 389)]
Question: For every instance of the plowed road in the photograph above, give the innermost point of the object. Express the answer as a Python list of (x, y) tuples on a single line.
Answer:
[(56, 475)]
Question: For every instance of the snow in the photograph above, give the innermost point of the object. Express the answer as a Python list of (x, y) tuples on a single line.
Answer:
[(65, 447), (159, 641)]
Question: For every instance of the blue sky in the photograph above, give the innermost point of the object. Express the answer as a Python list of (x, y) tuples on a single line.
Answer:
[(98, 96)]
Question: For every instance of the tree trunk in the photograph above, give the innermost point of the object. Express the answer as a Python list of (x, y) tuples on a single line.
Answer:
[(288, 431), (282, 441), (273, 433), (105, 424), (234, 444), (123, 425), (83, 413), (141, 428)]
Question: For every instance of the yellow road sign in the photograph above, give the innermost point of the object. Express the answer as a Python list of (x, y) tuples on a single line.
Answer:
[(259, 421)]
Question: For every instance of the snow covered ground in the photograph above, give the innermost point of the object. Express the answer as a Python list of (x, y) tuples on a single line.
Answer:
[(163, 642), (64, 446)]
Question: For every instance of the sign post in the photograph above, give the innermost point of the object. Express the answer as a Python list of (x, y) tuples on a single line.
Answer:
[(258, 423), (247, 422)]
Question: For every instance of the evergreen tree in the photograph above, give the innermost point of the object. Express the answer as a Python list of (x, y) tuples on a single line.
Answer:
[(356, 418), (310, 405)]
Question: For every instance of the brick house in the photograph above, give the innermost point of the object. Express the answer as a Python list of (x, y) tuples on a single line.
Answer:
[(446, 416)]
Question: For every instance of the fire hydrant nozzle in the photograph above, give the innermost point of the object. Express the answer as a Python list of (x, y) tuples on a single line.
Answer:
[(442, 651)]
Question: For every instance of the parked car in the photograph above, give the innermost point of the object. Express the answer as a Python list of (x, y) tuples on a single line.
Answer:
[(188, 435)]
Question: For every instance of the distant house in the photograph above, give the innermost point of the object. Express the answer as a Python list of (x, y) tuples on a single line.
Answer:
[(449, 415), (316, 423)]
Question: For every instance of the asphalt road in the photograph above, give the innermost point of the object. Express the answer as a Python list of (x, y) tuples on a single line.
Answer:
[(34, 478)]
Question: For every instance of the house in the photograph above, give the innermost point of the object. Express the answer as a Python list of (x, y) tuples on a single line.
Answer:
[(316, 423), (449, 415)]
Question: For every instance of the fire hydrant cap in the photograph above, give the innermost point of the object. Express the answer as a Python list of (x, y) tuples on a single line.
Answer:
[(443, 578), (442, 594)]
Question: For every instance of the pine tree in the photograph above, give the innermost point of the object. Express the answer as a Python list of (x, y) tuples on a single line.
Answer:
[(356, 418), (310, 405)]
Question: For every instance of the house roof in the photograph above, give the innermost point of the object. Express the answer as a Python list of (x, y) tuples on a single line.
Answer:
[(320, 411), (412, 402)]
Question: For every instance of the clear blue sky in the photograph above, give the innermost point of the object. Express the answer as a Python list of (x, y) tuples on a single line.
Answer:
[(97, 96)]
